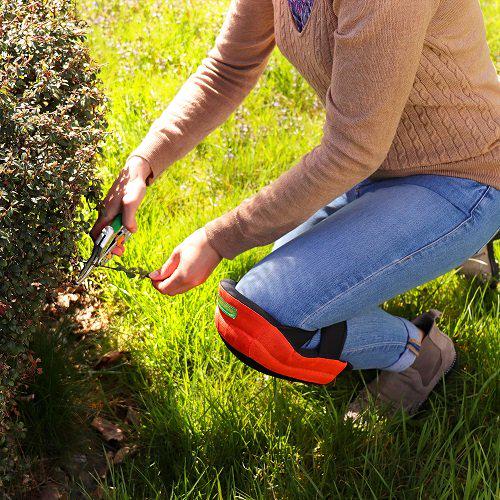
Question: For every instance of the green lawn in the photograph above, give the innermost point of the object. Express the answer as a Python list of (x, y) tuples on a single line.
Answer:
[(212, 427)]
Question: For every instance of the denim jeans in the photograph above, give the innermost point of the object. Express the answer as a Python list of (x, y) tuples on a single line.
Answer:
[(379, 239)]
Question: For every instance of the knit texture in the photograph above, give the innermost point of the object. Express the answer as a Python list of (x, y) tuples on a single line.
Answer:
[(408, 88)]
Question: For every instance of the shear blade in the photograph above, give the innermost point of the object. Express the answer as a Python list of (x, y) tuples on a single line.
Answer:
[(89, 265), (87, 268)]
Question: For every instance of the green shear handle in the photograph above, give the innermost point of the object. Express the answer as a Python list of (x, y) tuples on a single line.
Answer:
[(117, 223), (111, 236)]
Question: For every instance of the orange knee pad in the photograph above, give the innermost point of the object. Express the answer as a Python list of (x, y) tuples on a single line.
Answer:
[(261, 342)]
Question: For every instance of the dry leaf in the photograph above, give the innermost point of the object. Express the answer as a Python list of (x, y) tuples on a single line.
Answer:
[(84, 314), (108, 430), (98, 493), (109, 359), (102, 467), (133, 417), (51, 492), (90, 320), (64, 300), (123, 453)]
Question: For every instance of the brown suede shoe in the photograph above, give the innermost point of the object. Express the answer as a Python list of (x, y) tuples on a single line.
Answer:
[(408, 389)]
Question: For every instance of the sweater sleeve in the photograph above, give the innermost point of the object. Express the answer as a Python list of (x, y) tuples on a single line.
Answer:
[(377, 49), (224, 78)]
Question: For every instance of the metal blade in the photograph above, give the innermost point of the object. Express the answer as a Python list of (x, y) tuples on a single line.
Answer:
[(90, 264), (102, 253), (87, 268)]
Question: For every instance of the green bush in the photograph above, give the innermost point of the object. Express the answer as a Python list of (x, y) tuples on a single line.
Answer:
[(51, 128)]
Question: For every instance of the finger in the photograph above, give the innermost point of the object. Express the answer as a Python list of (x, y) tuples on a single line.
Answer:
[(168, 268), (118, 250), (176, 283)]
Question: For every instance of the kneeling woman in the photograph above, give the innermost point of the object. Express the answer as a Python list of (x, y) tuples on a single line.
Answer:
[(403, 186)]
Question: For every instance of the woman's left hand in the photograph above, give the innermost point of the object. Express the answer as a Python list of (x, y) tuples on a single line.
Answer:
[(189, 265)]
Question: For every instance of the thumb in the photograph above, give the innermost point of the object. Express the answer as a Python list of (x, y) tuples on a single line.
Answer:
[(168, 268)]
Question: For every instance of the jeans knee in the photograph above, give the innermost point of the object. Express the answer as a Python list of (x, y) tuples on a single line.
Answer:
[(263, 291), (251, 287)]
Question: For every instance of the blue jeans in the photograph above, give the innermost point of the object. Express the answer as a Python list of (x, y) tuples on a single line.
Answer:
[(377, 240)]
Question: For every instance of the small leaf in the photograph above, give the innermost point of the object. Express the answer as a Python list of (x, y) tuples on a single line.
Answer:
[(123, 453), (133, 417), (109, 359), (108, 430)]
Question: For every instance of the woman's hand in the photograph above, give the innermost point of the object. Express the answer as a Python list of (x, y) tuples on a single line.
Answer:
[(189, 265), (124, 196)]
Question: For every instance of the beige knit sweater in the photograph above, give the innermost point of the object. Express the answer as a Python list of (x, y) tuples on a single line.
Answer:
[(407, 85)]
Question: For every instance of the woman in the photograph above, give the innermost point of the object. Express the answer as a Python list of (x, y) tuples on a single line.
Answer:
[(404, 185)]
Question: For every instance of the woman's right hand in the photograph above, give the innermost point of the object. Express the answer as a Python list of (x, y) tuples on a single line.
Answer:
[(124, 196)]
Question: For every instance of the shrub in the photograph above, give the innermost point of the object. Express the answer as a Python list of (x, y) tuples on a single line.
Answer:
[(51, 128)]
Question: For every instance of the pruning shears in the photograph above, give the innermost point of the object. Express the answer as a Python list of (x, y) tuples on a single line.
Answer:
[(110, 237)]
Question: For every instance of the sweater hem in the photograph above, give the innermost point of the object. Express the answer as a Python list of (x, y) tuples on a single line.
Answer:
[(481, 177)]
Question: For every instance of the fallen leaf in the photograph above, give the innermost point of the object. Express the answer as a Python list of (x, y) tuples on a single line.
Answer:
[(85, 314), (133, 417), (90, 320), (51, 492), (75, 464), (102, 468), (123, 453), (64, 300), (109, 359), (98, 493), (108, 430)]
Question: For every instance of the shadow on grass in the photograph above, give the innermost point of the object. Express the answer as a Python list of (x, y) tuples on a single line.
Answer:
[(55, 416), (66, 455), (232, 433), (213, 428)]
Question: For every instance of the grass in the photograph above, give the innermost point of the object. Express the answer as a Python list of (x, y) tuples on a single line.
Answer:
[(211, 427), (54, 415)]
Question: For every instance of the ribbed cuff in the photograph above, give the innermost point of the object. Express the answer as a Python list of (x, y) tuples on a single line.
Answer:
[(154, 148)]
